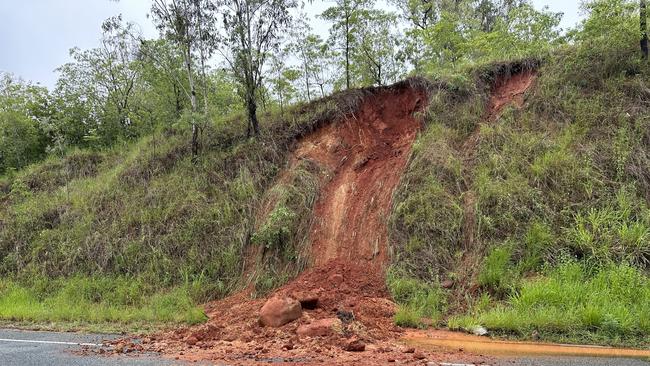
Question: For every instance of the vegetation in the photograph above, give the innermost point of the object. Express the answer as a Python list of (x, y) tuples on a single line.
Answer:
[(140, 184), (417, 300), (98, 302), (149, 212), (560, 201), (572, 301)]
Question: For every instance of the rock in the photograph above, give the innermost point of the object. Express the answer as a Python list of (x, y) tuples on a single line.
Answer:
[(229, 338), (280, 311), (320, 328), (419, 356), (354, 345), (447, 284), (479, 331), (345, 316), (409, 350)]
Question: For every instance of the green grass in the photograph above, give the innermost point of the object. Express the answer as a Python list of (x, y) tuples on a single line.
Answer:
[(573, 302), (419, 303), (106, 303), (146, 212), (564, 177)]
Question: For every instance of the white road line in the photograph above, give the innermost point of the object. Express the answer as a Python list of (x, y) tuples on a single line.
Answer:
[(50, 342)]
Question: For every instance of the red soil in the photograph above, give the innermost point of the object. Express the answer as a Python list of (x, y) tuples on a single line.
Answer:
[(366, 155), (509, 91)]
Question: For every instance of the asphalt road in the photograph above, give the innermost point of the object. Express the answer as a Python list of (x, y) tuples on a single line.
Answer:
[(27, 348)]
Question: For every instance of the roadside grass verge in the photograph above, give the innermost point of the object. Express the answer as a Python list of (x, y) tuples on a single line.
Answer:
[(100, 304), (573, 303)]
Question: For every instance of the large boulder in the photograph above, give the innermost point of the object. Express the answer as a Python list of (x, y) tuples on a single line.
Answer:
[(278, 311), (320, 328)]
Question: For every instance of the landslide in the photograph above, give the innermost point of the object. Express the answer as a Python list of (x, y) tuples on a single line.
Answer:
[(358, 162)]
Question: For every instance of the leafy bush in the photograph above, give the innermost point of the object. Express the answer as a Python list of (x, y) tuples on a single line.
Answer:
[(276, 230)]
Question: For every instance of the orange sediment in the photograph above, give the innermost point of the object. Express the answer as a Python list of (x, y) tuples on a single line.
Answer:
[(446, 340)]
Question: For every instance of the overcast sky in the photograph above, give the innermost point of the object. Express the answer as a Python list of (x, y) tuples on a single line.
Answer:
[(35, 35)]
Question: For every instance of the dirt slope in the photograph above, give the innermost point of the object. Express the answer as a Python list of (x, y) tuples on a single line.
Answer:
[(366, 155)]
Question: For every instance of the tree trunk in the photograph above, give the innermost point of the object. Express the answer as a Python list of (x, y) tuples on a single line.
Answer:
[(253, 124), (379, 75), (195, 128), (177, 97), (347, 49), (643, 21), (306, 76), (307, 82)]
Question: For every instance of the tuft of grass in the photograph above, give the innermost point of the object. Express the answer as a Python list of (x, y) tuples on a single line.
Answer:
[(497, 273), (417, 300)]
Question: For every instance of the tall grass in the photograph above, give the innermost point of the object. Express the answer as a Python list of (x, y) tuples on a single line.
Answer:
[(574, 301), (564, 177), (419, 303)]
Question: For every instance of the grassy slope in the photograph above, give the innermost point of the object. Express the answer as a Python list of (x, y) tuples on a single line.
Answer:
[(562, 190), (140, 234)]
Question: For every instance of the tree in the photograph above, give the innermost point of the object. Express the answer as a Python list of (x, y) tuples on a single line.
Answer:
[(20, 141), (282, 79), (25, 109), (303, 50), (253, 29), (187, 23), (489, 12), (422, 15), (321, 62), (643, 21), (103, 78), (346, 17), (377, 58), (162, 67)]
